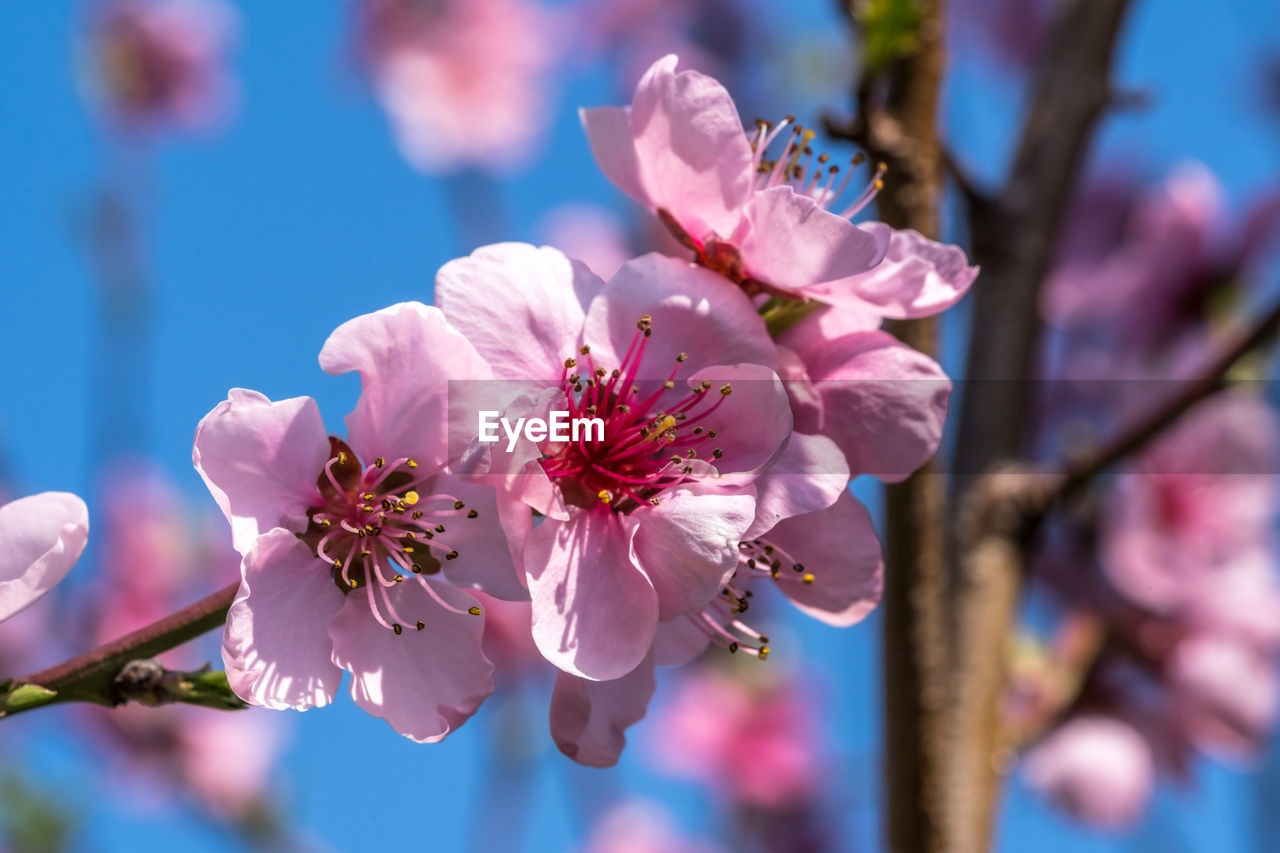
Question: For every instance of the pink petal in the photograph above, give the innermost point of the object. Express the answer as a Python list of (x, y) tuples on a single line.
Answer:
[(589, 719), (41, 537), (917, 277), (484, 560), (276, 644), (260, 460), (694, 311), (806, 402), (406, 355), (594, 611), (609, 133), (678, 642), (688, 546), (789, 241), (521, 306), (423, 683), (692, 154), (811, 474), (884, 404), (752, 422), (839, 547), (1226, 692), (1099, 769)]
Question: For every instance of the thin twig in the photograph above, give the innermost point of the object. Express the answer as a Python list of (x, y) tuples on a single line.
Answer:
[(1080, 472), (90, 677)]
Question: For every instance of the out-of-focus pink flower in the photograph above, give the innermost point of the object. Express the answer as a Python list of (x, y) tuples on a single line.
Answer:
[(637, 826), (759, 744), (1201, 500), (639, 528), (225, 759), (1099, 769), (594, 235), (708, 35), (1158, 279), (464, 82), (1225, 693), (770, 225), (41, 538), (161, 62), (346, 544)]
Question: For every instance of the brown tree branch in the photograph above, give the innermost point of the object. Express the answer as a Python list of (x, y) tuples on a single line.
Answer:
[(1082, 470), (1013, 240), (92, 676), (896, 123)]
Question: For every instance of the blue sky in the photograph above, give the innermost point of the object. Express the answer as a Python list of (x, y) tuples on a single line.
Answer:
[(300, 213)]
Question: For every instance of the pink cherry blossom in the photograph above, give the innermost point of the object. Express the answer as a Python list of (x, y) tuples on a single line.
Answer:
[(464, 82), (640, 528), (41, 538), (1157, 275), (823, 555), (161, 62), (757, 742), (773, 226), (594, 235), (1201, 500), (225, 760), (881, 402), (346, 543), (1099, 769), (1225, 694)]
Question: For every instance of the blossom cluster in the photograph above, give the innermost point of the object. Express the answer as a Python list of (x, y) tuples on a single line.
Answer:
[(1165, 581), (728, 445)]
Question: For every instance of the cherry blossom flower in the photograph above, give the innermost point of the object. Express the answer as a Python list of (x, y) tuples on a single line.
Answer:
[(1098, 768), (594, 235), (640, 527), (1161, 272), (881, 402), (41, 538), (1202, 499), (463, 81), (161, 63), (756, 741), (771, 225), (355, 551)]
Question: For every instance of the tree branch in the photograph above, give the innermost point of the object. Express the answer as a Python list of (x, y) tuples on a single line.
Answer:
[(1013, 241), (93, 676), (1081, 471), (896, 122)]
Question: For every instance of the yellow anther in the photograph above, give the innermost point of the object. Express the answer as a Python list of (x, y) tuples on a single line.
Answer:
[(604, 496), (807, 577), (411, 497), (474, 611), (411, 463)]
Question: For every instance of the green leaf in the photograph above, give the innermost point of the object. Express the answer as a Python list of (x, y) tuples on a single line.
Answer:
[(889, 29), (208, 689), (24, 697)]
